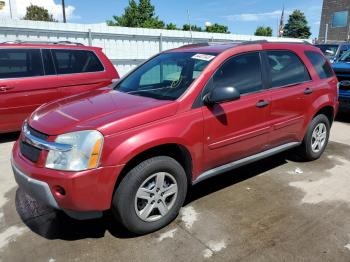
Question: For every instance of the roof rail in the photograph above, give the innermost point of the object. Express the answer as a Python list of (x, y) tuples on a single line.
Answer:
[(252, 42), (43, 42), (247, 42), (211, 43)]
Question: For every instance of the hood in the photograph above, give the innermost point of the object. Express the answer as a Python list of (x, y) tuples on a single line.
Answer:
[(106, 110), (341, 67)]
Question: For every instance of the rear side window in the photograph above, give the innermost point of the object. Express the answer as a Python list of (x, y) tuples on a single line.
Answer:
[(16, 63), (76, 61), (320, 64), (242, 72), (286, 68)]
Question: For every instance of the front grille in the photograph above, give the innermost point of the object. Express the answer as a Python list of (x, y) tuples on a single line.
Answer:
[(37, 133), (30, 152)]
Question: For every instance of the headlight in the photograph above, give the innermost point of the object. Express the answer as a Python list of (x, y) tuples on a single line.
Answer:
[(85, 154)]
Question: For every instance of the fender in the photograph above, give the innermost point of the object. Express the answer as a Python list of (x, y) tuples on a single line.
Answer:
[(188, 132)]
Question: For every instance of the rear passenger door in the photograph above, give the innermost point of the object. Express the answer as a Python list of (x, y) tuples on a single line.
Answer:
[(79, 71), (24, 85), (290, 92)]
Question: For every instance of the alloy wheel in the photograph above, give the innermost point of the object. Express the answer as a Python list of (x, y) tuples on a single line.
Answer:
[(156, 196), (319, 137)]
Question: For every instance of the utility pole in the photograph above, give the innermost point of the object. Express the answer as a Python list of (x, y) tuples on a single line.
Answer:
[(10, 6), (64, 12), (189, 22)]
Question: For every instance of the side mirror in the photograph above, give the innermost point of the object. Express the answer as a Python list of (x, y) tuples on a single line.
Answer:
[(330, 52), (221, 95)]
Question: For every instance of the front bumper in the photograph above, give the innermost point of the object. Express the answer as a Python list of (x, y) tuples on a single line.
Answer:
[(86, 192), (37, 189)]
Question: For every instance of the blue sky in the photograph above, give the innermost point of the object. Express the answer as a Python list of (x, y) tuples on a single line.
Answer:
[(241, 16)]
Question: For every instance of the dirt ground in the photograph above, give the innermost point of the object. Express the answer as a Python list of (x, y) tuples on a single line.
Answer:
[(277, 209)]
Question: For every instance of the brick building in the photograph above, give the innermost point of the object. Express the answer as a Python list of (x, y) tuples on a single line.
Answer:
[(335, 17)]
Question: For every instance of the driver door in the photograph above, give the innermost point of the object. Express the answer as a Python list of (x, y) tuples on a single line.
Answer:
[(237, 129)]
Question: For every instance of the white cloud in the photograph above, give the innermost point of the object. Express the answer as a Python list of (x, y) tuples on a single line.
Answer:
[(19, 8), (253, 17)]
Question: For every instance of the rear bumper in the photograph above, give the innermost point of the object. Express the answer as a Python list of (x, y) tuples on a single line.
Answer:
[(89, 191), (344, 101)]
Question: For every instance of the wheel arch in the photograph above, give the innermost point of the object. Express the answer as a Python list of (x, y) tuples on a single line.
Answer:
[(328, 111), (176, 151)]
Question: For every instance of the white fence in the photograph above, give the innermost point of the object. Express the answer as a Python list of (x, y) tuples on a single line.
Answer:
[(126, 47)]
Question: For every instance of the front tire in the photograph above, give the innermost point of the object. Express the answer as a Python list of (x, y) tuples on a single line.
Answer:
[(150, 196), (316, 138)]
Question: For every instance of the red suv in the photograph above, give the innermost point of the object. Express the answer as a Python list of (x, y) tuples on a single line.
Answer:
[(32, 74), (185, 115)]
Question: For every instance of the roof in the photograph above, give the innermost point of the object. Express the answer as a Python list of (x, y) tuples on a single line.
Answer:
[(219, 47), (43, 44)]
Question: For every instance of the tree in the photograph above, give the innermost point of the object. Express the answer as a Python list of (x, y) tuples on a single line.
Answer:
[(140, 14), (171, 26), (37, 13), (187, 27), (217, 28), (263, 31), (297, 26)]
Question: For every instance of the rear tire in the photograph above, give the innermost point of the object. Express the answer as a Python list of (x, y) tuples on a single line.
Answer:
[(316, 138), (150, 196)]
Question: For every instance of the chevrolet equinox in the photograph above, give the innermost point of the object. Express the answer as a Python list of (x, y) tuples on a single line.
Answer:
[(181, 117)]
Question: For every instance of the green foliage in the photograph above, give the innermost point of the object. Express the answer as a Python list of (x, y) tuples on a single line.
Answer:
[(171, 26), (186, 27), (263, 31), (140, 14), (297, 26), (37, 13), (217, 28)]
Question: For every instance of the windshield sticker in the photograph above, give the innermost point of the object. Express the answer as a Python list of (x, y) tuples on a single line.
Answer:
[(203, 57)]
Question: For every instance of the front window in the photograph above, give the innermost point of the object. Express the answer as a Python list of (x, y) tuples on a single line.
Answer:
[(167, 76), (345, 57)]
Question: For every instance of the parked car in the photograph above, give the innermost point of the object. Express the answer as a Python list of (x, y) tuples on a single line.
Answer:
[(334, 51), (32, 74), (184, 116), (342, 70)]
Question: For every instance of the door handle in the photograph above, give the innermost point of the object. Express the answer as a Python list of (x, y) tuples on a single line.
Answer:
[(6, 88), (262, 103), (308, 91)]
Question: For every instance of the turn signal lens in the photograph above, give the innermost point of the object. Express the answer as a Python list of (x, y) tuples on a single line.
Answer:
[(95, 154)]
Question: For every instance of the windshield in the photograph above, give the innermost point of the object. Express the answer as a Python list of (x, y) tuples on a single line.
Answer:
[(329, 50), (345, 57), (166, 76)]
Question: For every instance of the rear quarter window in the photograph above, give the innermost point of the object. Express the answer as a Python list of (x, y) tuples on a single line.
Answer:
[(76, 61), (320, 64)]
